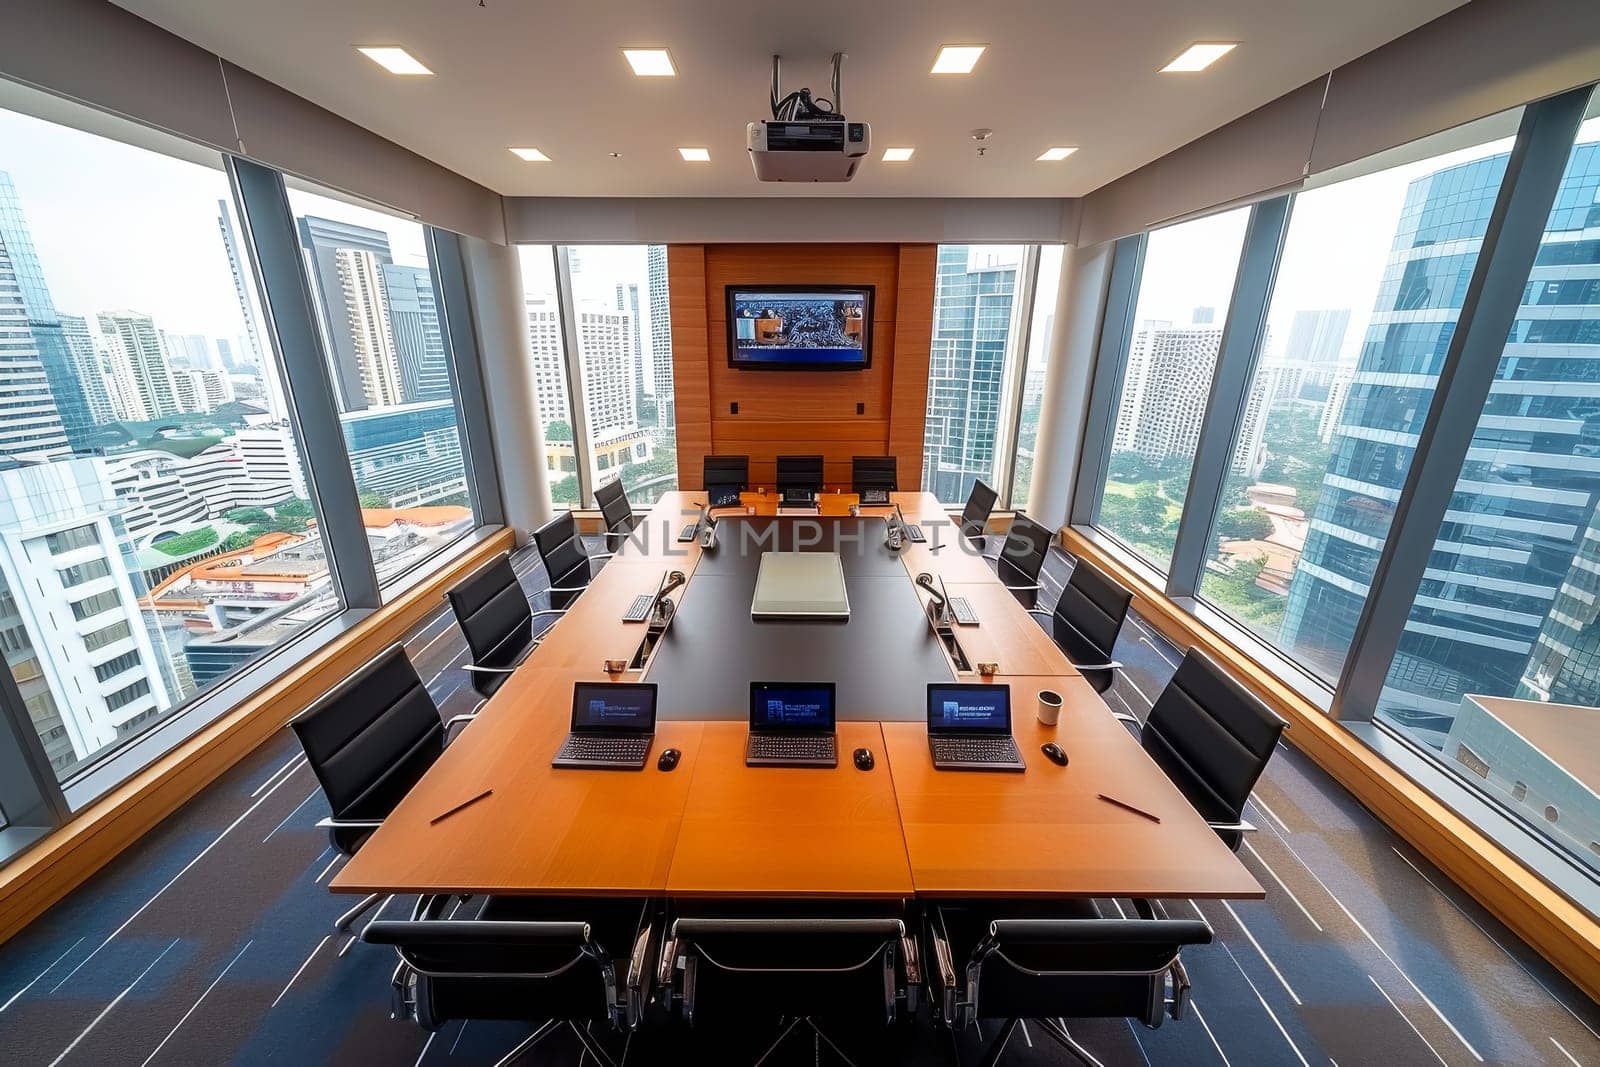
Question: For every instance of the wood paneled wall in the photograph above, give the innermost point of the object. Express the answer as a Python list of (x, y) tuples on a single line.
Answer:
[(801, 412)]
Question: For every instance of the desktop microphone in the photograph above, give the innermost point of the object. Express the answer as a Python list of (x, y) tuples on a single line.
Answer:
[(708, 534), (662, 607), (894, 537), (925, 580)]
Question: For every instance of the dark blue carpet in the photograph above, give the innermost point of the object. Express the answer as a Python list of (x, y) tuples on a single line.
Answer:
[(208, 943)]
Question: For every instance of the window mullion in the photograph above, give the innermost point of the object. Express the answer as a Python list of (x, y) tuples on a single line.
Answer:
[(567, 303), (291, 316), (1009, 418), (1230, 390), (464, 363)]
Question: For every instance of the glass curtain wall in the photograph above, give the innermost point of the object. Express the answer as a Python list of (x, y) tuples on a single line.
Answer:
[(1040, 336), (1508, 604), (388, 357), (1185, 285), (155, 527), (1368, 290)]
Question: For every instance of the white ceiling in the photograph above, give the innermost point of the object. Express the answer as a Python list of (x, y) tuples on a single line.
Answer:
[(551, 76)]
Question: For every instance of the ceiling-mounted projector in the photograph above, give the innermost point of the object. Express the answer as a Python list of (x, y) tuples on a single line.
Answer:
[(807, 140)]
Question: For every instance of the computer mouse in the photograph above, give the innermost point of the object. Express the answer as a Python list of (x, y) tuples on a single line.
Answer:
[(864, 760), (668, 759), (1053, 753)]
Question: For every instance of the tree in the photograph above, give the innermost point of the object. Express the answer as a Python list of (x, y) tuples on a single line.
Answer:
[(248, 516), (1149, 509), (235, 541), (373, 500), (565, 491), (558, 431), (1245, 524)]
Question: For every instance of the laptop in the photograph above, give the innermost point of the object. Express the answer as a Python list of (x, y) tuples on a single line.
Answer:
[(613, 725), (797, 498), (872, 496), (969, 727), (791, 725), (722, 496)]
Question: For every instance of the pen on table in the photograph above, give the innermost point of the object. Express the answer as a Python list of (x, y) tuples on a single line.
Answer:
[(1129, 807), (464, 804), (933, 550)]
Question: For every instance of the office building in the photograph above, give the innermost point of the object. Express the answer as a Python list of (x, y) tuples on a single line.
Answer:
[(410, 415), (973, 315), (418, 342), (1519, 493)]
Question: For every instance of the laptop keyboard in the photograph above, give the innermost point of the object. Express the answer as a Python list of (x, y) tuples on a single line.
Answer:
[(778, 746), (639, 609), (596, 749), (974, 749)]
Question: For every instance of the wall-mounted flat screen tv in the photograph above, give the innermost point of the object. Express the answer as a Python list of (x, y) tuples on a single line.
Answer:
[(800, 327)]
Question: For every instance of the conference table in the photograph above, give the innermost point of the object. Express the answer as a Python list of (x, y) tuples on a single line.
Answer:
[(713, 828)]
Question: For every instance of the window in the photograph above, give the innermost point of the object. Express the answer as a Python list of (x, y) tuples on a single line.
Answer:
[(1185, 285), (619, 307), (144, 441), (84, 572), (116, 665), (1509, 606), (1039, 339), (389, 359), (975, 307), (1365, 301), (548, 346)]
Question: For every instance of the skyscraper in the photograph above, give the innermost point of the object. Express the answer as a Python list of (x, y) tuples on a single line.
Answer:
[(345, 262), (1514, 535), (604, 342), (141, 377), (230, 244), (660, 333), (628, 300), (44, 322), (31, 430), (971, 323), (419, 344), (1165, 390), (88, 364), (1316, 336)]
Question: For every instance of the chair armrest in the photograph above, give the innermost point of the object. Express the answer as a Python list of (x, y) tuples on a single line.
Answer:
[(1034, 588), (568, 588), (638, 977), (1180, 988), (349, 824), (908, 950), (1234, 827), (669, 955), (947, 979), (456, 721), (1043, 614), (474, 668), (1113, 665), (547, 611), (1123, 716), (600, 555)]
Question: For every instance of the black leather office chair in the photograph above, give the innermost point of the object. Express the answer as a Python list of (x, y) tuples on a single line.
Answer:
[(497, 621), (561, 963), (800, 473), (1213, 738), (368, 741), (1022, 557), (975, 516), (1002, 962), (802, 968), (1086, 621), (615, 510), (567, 561), (873, 472), (725, 477)]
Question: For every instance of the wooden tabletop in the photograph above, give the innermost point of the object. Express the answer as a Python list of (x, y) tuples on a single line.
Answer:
[(1045, 832), (544, 830), (714, 827), (789, 831), (828, 503)]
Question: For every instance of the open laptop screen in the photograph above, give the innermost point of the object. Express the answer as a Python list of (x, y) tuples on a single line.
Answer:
[(613, 707), (791, 706), (969, 709)]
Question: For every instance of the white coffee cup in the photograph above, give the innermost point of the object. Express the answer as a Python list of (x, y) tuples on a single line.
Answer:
[(1049, 706)]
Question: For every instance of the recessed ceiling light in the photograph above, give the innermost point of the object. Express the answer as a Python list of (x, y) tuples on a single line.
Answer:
[(650, 62), (897, 155), (530, 155), (1054, 155), (695, 155), (1199, 56), (395, 60), (957, 58)]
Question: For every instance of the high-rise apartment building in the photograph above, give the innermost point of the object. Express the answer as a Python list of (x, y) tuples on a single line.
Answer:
[(1166, 388), (605, 345), (142, 380), (418, 340), (345, 262), (549, 372), (1515, 534), (971, 328), (643, 372), (31, 430), (660, 334), (89, 367), (230, 244)]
